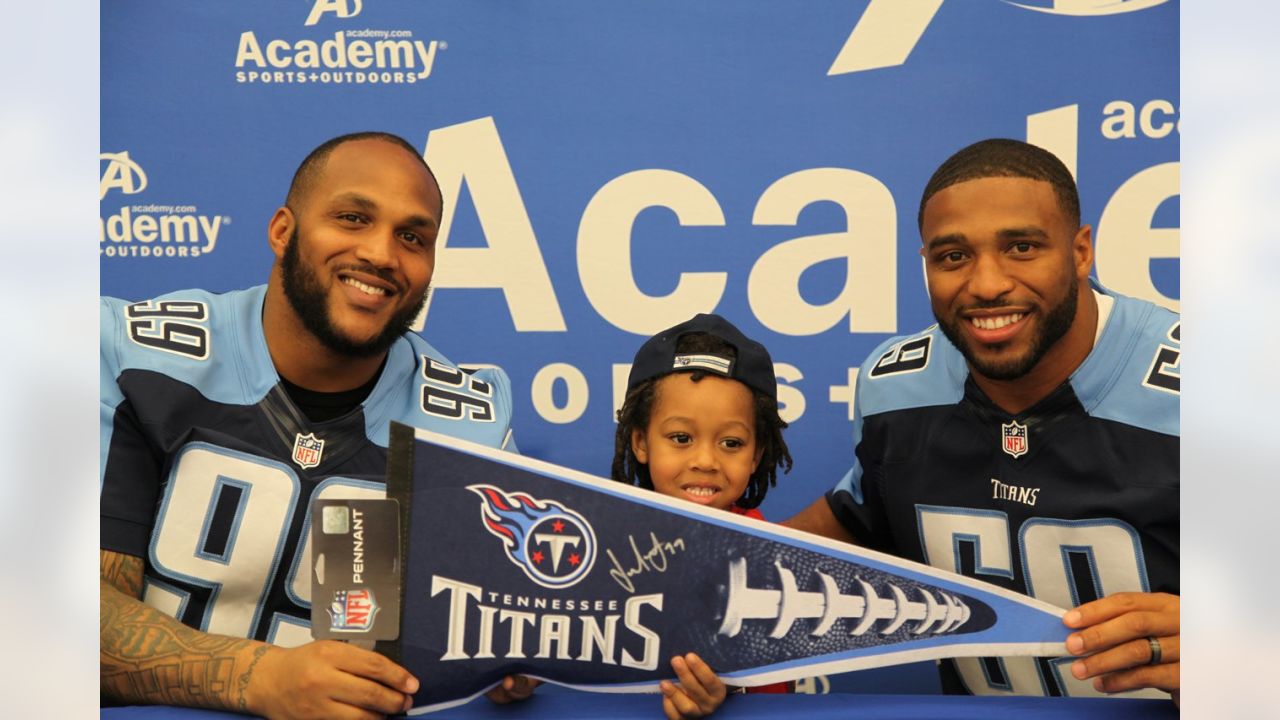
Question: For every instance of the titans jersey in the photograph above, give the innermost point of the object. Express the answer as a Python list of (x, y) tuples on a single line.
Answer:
[(1070, 500), (208, 469)]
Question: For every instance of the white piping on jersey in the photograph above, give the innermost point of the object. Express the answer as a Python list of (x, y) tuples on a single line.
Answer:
[(1105, 303)]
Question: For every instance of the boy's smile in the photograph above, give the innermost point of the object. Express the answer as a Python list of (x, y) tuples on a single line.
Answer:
[(700, 444)]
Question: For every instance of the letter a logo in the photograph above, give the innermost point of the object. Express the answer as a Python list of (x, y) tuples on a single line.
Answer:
[(341, 8), (122, 173)]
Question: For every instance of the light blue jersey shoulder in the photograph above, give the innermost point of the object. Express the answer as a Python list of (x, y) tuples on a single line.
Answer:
[(215, 344), (420, 387), (1133, 374), (211, 342), (911, 371)]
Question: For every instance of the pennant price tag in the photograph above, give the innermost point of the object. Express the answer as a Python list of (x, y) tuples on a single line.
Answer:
[(355, 577)]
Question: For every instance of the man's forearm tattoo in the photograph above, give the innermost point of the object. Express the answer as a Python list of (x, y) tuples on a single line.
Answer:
[(148, 657)]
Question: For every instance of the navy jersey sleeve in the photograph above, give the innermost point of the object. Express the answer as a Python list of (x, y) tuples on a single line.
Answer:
[(856, 500), (129, 482), (903, 372)]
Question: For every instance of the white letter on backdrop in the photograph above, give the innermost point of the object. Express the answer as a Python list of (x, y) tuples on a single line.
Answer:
[(867, 247)]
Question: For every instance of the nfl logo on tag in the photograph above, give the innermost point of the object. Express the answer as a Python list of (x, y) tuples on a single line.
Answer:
[(307, 450), (352, 610), (1015, 438)]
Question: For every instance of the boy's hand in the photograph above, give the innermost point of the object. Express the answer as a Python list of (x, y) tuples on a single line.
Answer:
[(699, 693), (513, 688)]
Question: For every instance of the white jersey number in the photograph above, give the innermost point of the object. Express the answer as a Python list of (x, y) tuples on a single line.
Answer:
[(238, 564), (1046, 546)]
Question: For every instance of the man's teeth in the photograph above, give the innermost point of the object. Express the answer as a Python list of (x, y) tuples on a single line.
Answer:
[(995, 323), (700, 491), (367, 289)]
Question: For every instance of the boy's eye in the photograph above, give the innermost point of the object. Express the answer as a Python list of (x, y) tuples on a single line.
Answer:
[(733, 443), (680, 438)]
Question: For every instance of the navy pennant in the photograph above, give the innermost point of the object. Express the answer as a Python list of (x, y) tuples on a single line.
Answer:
[(517, 566)]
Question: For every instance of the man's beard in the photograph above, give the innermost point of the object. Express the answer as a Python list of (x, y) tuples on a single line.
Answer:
[(311, 302), (1057, 321)]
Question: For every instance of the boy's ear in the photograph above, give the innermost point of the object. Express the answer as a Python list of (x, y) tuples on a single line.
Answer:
[(755, 462), (639, 447)]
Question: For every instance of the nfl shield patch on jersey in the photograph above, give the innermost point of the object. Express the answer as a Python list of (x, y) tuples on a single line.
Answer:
[(1014, 435), (307, 450)]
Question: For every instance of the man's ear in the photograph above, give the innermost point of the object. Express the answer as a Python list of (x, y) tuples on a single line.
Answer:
[(1082, 252), (280, 230), (640, 447)]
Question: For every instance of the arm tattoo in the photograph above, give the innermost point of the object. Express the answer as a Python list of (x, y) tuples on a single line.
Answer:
[(123, 572), (149, 657), (242, 683)]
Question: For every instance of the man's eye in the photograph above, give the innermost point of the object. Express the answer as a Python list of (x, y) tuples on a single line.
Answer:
[(412, 238), (351, 217), (1022, 247), (955, 256)]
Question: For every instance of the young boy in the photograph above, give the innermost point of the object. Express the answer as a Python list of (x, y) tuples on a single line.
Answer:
[(700, 422)]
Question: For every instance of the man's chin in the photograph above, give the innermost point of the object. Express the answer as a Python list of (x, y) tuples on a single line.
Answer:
[(1000, 366)]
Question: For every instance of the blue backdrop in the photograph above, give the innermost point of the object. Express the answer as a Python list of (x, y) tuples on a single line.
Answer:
[(612, 168)]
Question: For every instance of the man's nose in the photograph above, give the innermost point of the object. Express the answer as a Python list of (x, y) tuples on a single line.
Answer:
[(379, 248), (989, 279)]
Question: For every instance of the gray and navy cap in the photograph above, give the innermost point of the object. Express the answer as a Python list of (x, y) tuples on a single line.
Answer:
[(658, 357)]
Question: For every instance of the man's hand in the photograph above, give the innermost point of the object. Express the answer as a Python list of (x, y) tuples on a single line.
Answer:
[(328, 679), (147, 657), (699, 693), (1113, 634), (513, 688)]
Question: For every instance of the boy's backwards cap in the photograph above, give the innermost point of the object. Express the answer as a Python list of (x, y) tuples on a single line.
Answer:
[(658, 357)]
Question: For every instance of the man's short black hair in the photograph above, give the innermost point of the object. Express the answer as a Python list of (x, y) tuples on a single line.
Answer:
[(1001, 157), (312, 165)]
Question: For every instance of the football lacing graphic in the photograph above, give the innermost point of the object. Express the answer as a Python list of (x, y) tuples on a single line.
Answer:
[(944, 613)]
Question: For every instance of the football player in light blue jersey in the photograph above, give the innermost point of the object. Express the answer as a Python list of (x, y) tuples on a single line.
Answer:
[(223, 416), (1030, 438)]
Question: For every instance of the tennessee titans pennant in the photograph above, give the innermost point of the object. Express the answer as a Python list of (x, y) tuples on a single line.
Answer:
[(517, 566)]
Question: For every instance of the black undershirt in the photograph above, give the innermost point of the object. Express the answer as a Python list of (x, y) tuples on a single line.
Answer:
[(322, 406)]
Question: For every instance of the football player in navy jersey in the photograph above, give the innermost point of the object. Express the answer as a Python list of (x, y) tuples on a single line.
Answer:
[(1030, 438), (223, 416)]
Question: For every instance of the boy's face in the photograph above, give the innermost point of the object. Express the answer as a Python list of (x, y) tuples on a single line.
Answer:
[(701, 444)]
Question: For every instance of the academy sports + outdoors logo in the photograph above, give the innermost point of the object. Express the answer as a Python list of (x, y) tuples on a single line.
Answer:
[(149, 230), (347, 57), (554, 545)]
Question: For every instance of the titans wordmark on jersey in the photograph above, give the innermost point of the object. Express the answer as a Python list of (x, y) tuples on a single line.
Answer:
[(208, 469), (1074, 499)]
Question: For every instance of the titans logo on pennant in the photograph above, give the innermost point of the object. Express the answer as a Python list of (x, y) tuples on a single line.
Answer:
[(552, 544), (1014, 435)]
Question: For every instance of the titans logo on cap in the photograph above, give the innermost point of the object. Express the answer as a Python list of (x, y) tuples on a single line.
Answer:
[(552, 544)]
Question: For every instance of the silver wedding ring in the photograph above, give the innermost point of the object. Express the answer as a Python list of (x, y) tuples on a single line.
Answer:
[(1155, 651)]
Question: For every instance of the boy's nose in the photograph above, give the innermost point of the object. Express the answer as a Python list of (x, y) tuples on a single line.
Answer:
[(704, 456)]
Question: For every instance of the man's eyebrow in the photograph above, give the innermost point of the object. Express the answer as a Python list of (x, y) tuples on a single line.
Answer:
[(948, 239), (419, 221), (1023, 233), (368, 204), (356, 199)]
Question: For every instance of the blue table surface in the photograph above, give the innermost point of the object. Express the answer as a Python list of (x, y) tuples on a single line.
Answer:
[(773, 707)]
